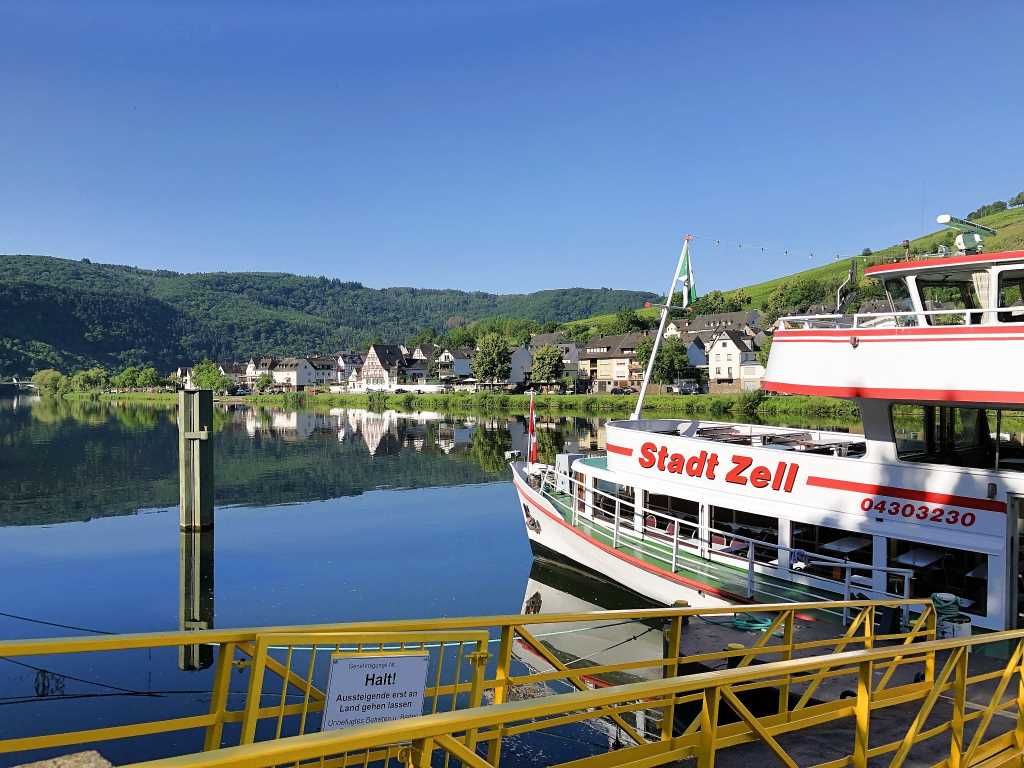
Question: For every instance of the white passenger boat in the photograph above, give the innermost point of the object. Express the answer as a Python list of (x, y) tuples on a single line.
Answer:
[(928, 499)]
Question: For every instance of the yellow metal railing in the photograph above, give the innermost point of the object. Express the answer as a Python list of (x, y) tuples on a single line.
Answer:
[(472, 662), (968, 736)]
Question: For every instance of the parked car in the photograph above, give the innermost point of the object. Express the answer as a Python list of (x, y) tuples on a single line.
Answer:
[(623, 391), (242, 391)]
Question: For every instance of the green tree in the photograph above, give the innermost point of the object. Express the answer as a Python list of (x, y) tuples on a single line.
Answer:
[(206, 375), (764, 351), (425, 336), (263, 381), (547, 365), (628, 321), (866, 252), (492, 361), (50, 382), (147, 377), (671, 363), (1017, 200), (126, 379), (714, 302), (90, 380)]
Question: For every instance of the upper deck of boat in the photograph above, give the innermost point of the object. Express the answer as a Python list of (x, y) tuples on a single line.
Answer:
[(756, 435)]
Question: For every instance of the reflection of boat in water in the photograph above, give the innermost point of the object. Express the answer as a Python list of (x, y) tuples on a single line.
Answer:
[(557, 588)]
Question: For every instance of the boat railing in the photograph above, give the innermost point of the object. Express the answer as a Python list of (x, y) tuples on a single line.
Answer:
[(901, 319), (619, 514)]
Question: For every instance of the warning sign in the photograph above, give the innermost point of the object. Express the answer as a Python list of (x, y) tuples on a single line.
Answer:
[(366, 689)]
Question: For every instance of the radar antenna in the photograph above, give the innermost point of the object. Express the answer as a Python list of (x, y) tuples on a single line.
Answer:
[(970, 238)]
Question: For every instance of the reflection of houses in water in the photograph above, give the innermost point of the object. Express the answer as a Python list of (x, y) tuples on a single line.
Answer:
[(454, 437), (195, 581), (288, 425)]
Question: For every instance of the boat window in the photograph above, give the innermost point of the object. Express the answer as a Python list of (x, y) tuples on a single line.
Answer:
[(984, 438), (608, 496), (729, 522), (951, 292), (1011, 296), (939, 569), (899, 300), (683, 509)]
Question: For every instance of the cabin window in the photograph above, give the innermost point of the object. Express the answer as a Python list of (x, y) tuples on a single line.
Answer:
[(831, 542), (682, 509), (937, 569), (983, 438), (729, 524), (1011, 297), (608, 496), (952, 293), (899, 300)]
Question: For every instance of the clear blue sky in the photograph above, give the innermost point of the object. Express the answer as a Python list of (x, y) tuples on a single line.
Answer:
[(501, 146)]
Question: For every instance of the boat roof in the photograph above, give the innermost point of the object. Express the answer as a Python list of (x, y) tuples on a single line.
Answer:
[(981, 259)]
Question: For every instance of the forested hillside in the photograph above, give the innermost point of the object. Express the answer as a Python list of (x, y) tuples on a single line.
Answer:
[(72, 314)]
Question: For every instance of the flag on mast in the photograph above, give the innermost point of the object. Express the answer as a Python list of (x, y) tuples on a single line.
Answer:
[(687, 278), (532, 457)]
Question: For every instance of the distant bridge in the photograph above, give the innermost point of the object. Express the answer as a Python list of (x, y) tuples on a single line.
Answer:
[(14, 385)]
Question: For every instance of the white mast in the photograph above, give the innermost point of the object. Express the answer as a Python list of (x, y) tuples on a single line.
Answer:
[(661, 326)]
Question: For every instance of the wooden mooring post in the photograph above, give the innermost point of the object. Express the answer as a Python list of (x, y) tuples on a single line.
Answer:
[(195, 459)]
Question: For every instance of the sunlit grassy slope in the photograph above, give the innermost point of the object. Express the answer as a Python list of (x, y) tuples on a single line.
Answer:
[(1010, 224)]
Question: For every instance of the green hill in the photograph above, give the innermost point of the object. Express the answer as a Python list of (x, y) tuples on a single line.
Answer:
[(74, 314), (819, 283)]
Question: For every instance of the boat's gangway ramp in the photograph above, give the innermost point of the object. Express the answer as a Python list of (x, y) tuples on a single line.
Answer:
[(783, 683)]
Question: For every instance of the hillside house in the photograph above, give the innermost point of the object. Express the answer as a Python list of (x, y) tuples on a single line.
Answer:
[(386, 366), (732, 363)]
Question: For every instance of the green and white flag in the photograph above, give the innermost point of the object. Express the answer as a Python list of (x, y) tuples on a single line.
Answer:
[(686, 276)]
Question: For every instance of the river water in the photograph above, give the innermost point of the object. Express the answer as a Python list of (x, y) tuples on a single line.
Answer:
[(321, 516)]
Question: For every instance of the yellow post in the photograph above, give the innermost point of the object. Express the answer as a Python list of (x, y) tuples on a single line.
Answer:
[(501, 676), (862, 715), (219, 695), (672, 650), (254, 695), (787, 641), (956, 737), (1018, 735), (418, 755), (708, 733), (929, 662)]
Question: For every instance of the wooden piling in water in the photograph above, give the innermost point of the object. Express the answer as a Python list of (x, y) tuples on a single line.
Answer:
[(195, 459)]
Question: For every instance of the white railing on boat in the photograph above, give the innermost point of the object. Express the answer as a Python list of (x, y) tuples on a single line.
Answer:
[(901, 319), (740, 549)]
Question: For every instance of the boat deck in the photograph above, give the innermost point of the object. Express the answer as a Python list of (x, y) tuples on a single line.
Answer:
[(727, 579), (756, 435)]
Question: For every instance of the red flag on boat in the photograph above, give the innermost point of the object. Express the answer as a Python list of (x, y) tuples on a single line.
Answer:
[(533, 433)]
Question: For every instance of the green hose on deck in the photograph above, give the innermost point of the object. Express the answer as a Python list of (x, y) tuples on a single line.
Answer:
[(751, 623), (947, 606)]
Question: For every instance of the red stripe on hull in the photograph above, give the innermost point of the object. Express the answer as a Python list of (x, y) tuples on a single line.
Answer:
[(622, 451), (907, 493), (886, 393), (897, 339), (700, 586)]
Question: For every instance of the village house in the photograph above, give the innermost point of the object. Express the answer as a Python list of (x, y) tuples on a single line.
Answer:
[(234, 371), (746, 321), (454, 364), (323, 369), (346, 364), (386, 366), (609, 362), (732, 363), (258, 367), (293, 372)]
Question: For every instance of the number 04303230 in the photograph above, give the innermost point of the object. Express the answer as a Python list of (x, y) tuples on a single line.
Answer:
[(918, 511)]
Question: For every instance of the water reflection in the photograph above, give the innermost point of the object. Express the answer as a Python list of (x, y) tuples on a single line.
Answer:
[(196, 593), (76, 460)]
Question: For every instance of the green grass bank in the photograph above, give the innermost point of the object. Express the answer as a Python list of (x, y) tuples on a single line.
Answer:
[(743, 404)]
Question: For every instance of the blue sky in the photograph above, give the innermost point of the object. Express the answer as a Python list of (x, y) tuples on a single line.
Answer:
[(500, 146)]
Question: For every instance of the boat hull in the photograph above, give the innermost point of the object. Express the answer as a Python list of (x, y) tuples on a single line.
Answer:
[(548, 530)]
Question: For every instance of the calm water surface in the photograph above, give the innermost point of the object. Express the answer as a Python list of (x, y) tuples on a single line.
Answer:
[(321, 516)]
